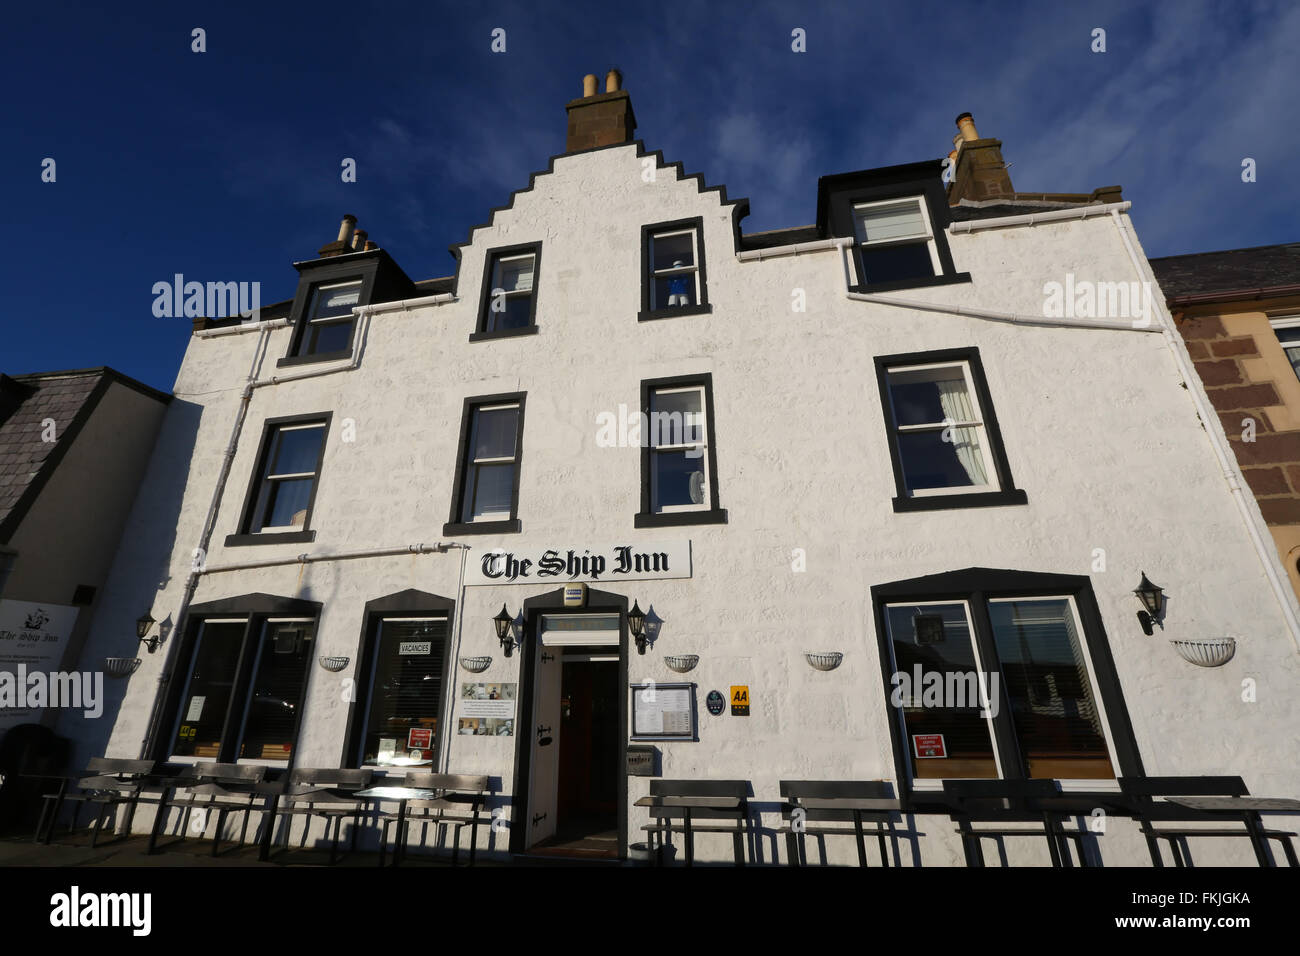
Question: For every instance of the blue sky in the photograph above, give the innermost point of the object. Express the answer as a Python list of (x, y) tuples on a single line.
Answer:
[(225, 165)]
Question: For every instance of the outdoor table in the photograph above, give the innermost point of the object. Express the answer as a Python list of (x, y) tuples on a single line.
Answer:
[(1247, 809), (686, 805), (276, 791), (402, 795), (858, 805)]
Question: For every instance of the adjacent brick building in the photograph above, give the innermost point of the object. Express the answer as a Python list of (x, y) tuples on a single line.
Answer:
[(1239, 313)]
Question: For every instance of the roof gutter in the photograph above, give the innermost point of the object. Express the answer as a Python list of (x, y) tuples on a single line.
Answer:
[(1205, 298), (1034, 218)]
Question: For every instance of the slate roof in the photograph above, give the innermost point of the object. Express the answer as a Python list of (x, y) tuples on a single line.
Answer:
[(25, 402), (1249, 271)]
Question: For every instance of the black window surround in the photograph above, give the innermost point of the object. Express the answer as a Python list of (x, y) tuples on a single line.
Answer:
[(481, 332), (347, 269), (976, 586), (1006, 494), (839, 195), (245, 535), (512, 525), (408, 603), (648, 517), (254, 609), (647, 282)]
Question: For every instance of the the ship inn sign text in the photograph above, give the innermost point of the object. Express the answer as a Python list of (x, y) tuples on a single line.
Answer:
[(617, 562)]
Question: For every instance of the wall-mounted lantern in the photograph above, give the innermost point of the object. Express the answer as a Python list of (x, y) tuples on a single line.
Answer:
[(636, 624), (507, 631), (142, 626), (1152, 600)]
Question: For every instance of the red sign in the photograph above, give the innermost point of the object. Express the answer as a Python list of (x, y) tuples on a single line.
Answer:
[(419, 738), (926, 745)]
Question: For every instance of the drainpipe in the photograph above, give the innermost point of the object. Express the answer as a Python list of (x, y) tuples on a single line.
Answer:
[(209, 524), (444, 757), (1250, 513), (310, 558)]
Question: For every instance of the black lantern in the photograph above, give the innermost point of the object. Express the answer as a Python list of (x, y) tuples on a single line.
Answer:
[(636, 624), (1152, 598), (142, 625), (502, 624)]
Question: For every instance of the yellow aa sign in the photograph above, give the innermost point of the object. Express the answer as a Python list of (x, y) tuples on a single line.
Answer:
[(740, 700)]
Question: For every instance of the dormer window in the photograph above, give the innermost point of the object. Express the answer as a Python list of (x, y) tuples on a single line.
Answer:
[(895, 241), (330, 321)]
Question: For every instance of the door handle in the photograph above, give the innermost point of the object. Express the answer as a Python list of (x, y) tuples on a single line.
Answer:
[(538, 818)]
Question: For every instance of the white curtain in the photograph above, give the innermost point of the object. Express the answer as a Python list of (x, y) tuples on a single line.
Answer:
[(957, 406)]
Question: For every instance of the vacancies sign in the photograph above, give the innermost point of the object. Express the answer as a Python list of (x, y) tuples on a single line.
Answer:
[(616, 562)]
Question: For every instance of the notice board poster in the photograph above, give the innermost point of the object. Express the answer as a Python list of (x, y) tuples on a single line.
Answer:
[(663, 711), (33, 638)]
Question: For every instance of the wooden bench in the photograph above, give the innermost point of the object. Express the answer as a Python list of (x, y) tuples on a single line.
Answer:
[(322, 792), (223, 787), (108, 783), (724, 803), (808, 805), (459, 804), (1146, 809)]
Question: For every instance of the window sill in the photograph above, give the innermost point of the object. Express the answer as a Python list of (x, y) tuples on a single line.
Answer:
[(673, 519), (279, 537), (482, 527), (985, 499), (872, 287), (318, 357), (674, 312), (503, 333)]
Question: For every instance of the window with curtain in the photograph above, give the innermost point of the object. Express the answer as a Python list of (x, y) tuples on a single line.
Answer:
[(938, 429), (291, 464), (490, 464), (509, 298), (405, 693)]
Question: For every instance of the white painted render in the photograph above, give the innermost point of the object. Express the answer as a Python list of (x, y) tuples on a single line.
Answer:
[(1099, 430)]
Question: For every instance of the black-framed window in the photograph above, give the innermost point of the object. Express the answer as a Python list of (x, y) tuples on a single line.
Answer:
[(679, 461), (282, 490), (894, 241), (992, 673), (486, 495), (509, 298), (897, 218), (674, 276), (944, 441), (329, 322), (241, 681)]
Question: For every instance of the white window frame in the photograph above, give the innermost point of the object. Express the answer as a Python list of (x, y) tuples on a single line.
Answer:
[(472, 464), (252, 682), (691, 270), (1085, 783), (312, 321), (1286, 323), (861, 242), (702, 445), (185, 693), (263, 489), (991, 481), (445, 709), (496, 289), (935, 783)]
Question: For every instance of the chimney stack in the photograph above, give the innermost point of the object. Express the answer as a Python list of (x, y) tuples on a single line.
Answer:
[(359, 240), (600, 119), (980, 173), (344, 242)]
